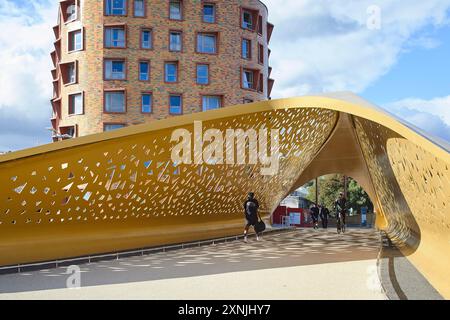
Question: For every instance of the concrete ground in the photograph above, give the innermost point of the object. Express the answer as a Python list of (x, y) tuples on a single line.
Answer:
[(400, 279), (302, 264)]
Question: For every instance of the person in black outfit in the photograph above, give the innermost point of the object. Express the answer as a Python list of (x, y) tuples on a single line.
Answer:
[(340, 206), (315, 216), (324, 213), (251, 206)]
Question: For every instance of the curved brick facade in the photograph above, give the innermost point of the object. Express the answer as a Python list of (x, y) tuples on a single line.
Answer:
[(226, 66)]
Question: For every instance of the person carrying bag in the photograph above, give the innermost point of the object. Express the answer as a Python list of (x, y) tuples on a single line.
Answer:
[(252, 217)]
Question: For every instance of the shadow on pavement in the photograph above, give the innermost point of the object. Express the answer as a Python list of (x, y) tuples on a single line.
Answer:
[(400, 279), (276, 250)]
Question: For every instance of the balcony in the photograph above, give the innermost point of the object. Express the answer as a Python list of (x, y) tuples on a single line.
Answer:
[(269, 31), (270, 83)]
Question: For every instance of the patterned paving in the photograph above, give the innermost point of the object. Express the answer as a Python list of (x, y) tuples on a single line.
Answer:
[(276, 250)]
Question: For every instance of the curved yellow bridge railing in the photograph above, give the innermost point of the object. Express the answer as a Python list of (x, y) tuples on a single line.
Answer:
[(122, 190)]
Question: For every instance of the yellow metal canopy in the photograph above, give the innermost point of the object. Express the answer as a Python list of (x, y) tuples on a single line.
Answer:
[(122, 190)]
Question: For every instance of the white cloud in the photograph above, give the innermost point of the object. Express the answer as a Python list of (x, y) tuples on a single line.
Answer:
[(317, 46), (25, 80), (432, 116), (439, 107), (322, 46)]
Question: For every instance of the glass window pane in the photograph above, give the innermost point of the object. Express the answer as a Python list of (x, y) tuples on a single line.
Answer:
[(209, 13), (146, 103), (71, 73), (118, 70), (171, 72), (108, 9), (246, 49), (115, 37), (248, 79), (76, 40), (114, 70), (247, 20), (139, 10), (206, 43), (175, 10), (108, 69), (118, 38), (143, 71), (109, 127), (78, 103), (146, 39), (175, 104), (71, 12), (108, 38), (175, 41), (202, 74), (118, 7), (115, 102), (211, 102)]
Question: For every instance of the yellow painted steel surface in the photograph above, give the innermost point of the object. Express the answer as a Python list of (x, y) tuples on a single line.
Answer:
[(121, 190)]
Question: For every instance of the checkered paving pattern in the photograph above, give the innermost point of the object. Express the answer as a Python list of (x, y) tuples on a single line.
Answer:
[(275, 250)]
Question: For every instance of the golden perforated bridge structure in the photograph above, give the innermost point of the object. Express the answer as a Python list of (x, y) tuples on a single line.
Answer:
[(121, 190)]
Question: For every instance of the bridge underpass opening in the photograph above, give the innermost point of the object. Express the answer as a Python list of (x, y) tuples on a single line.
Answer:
[(120, 190), (324, 191)]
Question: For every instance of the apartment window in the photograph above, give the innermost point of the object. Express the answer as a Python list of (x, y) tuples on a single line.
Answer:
[(175, 10), (139, 8), (116, 7), (146, 103), (261, 83), (56, 89), (115, 69), (211, 102), (68, 132), (171, 72), (75, 40), (246, 49), (249, 19), (207, 43), (115, 101), (75, 104), (175, 41), (202, 74), (146, 39), (175, 104), (260, 26), (144, 71), (249, 78), (115, 37), (260, 53), (69, 72), (69, 11), (112, 126), (209, 13)]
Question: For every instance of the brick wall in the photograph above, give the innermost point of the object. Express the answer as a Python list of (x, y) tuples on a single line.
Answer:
[(225, 67)]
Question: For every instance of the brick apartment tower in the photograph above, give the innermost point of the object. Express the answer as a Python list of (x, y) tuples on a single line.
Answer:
[(126, 62)]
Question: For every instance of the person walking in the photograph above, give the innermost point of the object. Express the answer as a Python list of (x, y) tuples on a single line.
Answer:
[(324, 213), (251, 206), (315, 216), (340, 206)]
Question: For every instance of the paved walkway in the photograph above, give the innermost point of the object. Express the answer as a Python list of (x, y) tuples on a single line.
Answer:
[(303, 264), (400, 279)]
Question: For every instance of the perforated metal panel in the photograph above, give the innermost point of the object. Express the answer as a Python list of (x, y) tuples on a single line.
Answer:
[(121, 190)]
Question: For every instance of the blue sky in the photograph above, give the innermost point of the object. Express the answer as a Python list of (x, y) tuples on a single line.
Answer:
[(419, 72), (317, 46)]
